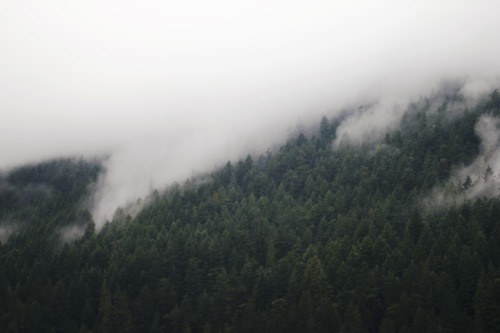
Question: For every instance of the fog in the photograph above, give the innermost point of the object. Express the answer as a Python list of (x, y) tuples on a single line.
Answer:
[(167, 89), (480, 178), (5, 231), (483, 172), (371, 122)]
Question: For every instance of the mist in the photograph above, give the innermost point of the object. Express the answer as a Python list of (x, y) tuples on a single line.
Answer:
[(484, 171), (169, 89), (5, 231)]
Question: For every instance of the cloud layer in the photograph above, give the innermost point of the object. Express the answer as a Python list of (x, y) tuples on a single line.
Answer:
[(170, 88), (484, 171)]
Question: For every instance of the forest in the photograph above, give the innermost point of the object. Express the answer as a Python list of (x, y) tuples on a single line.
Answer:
[(302, 238)]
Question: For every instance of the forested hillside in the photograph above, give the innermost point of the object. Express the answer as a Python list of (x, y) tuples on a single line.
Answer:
[(306, 238), (40, 198)]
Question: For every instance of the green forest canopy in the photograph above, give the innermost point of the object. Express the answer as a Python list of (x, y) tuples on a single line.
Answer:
[(302, 239)]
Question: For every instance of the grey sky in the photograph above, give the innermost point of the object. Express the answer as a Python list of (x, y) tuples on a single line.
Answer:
[(172, 87)]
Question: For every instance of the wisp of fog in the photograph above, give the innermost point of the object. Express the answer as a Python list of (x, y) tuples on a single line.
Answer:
[(166, 89)]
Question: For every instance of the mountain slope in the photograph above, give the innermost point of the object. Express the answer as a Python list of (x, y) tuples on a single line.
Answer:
[(303, 239)]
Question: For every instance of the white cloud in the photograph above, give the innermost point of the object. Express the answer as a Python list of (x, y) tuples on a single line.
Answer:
[(170, 87), (483, 173), (370, 123)]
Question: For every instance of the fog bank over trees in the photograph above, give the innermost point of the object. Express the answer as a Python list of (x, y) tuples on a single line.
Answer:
[(165, 90)]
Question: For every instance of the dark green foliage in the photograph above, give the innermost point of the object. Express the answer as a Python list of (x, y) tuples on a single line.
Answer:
[(40, 194), (304, 239)]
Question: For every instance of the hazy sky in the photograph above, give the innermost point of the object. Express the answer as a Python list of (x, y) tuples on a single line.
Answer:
[(172, 87)]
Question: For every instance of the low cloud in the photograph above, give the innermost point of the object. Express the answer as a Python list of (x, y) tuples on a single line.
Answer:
[(370, 123), (6, 230), (70, 233), (167, 89), (481, 178), (484, 172)]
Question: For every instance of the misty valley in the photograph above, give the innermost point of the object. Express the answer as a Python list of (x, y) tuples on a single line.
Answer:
[(399, 233)]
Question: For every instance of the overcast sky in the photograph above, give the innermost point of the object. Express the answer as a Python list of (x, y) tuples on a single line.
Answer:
[(168, 88)]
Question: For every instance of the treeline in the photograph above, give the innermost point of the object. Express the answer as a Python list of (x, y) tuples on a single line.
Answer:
[(303, 239)]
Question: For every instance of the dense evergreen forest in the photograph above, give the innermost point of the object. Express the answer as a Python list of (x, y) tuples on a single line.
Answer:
[(302, 239)]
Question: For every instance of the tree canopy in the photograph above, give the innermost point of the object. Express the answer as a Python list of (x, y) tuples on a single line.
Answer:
[(301, 239)]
